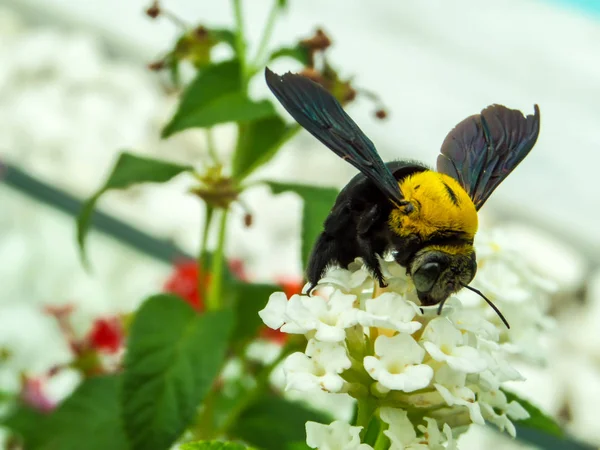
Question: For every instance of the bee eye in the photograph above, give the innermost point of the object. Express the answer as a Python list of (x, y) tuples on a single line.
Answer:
[(426, 276)]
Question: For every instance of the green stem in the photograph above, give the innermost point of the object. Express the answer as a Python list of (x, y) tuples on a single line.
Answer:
[(266, 37), (366, 408), (216, 273), (210, 145), (382, 442), (178, 21), (204, 427), (240, 43), (203, 253)]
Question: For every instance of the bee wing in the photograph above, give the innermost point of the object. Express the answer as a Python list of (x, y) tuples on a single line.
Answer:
[(322, 116), (483, 149)]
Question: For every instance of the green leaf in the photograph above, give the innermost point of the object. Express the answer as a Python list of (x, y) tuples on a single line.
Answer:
[(298, 446), (538, 419), (274, 423), (299, 52), (223, 35), (90, 418), (214, 445), (249, 299), (282, 3), (318, 201), (216, 96), (210, 84), (541, 430), (172, 63), (259, 142), (541, 440), (173, 357), (230, 107), (27, 424), (129, 169)]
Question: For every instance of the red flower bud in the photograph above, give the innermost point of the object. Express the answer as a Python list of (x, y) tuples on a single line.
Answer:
[(275, 336), (291, 285), (184, 282), (106, 335)]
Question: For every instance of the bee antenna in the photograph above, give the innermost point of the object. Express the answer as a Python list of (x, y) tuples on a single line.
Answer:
[(489, 302)]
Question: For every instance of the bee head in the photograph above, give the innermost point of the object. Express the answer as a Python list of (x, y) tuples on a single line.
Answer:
[(437, 273)]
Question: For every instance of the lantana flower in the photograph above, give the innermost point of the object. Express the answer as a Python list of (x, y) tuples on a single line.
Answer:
[(445, 343), (328, 318), (336, 436), (516, 289), (291, 286), (397, 365), (425, 377), (318, 368), (33, 393), (402, 434), (390, 311)]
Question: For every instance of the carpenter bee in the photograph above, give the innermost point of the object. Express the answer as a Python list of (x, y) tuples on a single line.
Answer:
[(427, 219)]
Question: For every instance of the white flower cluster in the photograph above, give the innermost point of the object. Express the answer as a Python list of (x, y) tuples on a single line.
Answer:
[(400, 432), (429, 376), (516, 289)]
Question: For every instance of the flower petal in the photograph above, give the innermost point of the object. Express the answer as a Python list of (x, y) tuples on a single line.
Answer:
[(451, 400), (330, 333), (411, 379), (401, 348), (401, 430), (390, 311), (332, 357), (335, 436), (467, 359), (273, 314), (443, 333)]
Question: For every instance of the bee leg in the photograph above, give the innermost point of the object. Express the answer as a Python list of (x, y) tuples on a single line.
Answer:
[(371, 262), (323, 254), (366, 243)]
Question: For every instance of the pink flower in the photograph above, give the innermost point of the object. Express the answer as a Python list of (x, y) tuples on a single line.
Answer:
[(32, 394), (237, 268)]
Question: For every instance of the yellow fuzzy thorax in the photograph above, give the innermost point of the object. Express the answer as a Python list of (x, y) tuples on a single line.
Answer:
[(438, 202)]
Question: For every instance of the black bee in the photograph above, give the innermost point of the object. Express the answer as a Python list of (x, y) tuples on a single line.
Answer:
[(426, 218)]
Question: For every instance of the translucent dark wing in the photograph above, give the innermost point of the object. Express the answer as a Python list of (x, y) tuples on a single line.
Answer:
[(483, 149), (321, 115)]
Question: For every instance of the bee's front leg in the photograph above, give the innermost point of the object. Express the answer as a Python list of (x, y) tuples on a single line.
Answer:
[(369, 243)]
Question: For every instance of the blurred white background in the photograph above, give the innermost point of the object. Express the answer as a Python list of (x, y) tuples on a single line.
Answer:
[(435, 62), (74, 90)]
